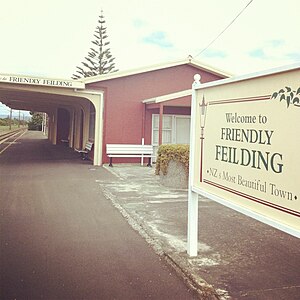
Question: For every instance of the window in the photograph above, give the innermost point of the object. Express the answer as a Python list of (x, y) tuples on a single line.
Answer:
[(166, 132), (175, 130)]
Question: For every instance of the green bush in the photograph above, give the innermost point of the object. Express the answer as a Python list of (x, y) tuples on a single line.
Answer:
[(3, 122), (32, 126), (36, 121), (165, 153)]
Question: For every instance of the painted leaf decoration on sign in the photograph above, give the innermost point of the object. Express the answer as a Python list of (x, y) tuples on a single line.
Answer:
[(288, 100), (289, 95), (296, 101), (282, 97)]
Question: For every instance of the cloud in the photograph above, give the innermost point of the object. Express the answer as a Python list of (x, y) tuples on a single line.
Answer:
[(274, 52), (258, 53), (158, 38), (138, 23), (214, 53), (293, 56), (144, 35), (276, 43), (4, 109)]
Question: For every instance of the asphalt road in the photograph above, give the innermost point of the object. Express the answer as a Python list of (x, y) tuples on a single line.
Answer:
[(61, 239)]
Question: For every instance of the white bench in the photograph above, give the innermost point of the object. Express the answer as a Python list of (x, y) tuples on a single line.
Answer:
[(87, 149), (127, 150)]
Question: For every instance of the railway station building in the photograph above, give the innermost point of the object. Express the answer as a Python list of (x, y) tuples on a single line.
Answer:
[(149, 105)]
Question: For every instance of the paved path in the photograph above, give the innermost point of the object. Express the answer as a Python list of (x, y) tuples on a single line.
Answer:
[(61, 239), (241, 257)]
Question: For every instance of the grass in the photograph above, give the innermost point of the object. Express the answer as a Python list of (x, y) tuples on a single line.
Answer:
[(6, 128)]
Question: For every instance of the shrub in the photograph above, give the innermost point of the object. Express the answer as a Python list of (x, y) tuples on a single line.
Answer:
[(32, 126), (165, 153)]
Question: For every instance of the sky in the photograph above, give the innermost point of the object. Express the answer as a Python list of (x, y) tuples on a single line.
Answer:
[(50, 38)]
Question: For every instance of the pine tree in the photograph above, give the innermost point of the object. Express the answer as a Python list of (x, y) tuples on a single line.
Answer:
[(99, 60)]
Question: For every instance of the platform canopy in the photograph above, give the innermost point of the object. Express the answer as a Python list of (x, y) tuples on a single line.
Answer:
[(50, 95)]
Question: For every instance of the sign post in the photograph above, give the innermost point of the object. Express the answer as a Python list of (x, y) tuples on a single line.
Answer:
[(192, 240)]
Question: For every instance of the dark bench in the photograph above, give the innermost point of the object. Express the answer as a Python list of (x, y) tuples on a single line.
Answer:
[(128, 150), (65, 142), (87, 149)]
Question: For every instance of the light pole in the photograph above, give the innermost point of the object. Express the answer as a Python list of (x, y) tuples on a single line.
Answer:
[(10, 119), (203, 107)]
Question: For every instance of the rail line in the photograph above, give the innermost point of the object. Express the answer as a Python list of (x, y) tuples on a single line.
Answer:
[(11, 133), (15, 134)]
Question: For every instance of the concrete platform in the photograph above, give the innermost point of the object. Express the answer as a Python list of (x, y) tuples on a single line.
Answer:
[(239, 258)]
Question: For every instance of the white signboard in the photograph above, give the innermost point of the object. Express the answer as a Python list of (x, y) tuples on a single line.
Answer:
[(246, 144), (65, 83)]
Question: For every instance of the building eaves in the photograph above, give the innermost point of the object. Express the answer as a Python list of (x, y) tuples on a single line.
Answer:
[(188, 61), (168, 97)]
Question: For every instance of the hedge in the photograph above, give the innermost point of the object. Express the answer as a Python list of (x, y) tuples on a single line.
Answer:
[(32, 126), (166, 153)]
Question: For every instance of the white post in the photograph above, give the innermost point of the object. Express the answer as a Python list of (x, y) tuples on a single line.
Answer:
[(192, 246), (43, 123), (192, 238), (98, 129), (142, 158)]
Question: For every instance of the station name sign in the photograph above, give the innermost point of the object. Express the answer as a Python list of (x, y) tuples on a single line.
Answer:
[(63, 83)]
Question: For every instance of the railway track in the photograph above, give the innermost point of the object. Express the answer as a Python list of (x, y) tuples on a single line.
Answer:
[(10, 134)]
